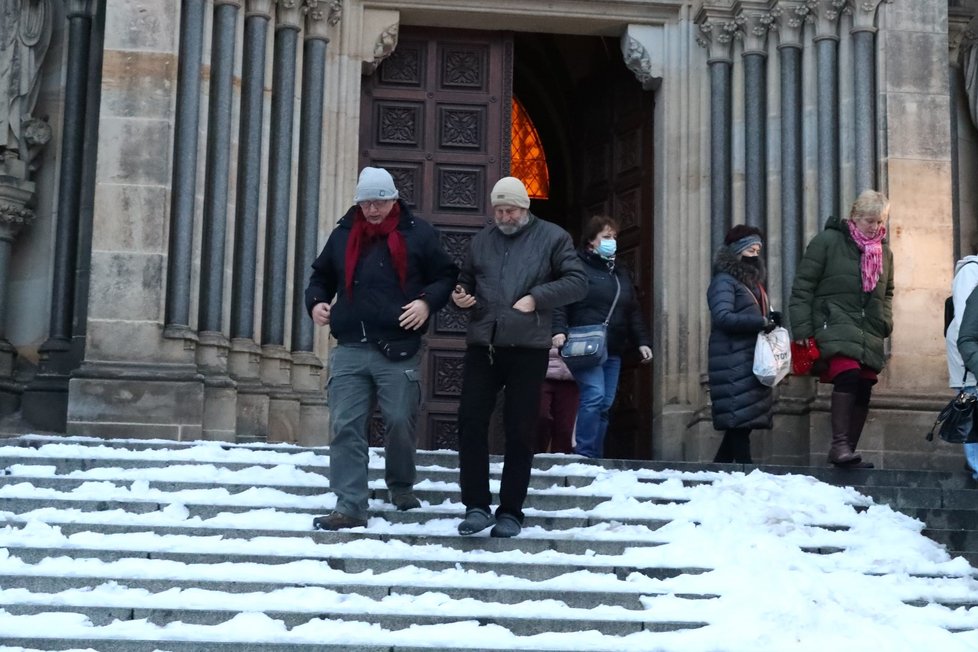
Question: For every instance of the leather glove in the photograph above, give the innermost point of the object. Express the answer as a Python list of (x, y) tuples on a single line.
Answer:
[(769, 326), (775, 316)]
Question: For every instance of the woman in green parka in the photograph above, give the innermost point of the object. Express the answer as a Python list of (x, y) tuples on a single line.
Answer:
[(843, 297)]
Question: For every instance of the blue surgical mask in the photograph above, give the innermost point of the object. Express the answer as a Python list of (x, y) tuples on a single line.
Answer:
[(607, 247)]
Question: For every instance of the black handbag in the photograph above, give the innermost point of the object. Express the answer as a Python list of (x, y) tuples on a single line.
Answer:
[(956, 422), (587, 346)]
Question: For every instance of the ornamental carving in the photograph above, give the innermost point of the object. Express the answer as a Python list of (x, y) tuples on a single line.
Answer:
[(463, 69), (461, 128), (450, 320), (447, 382), (407, 181), (405, 66), (456, 244), (399, 124), (383, 48), (637, 60), (14, 217), (459, 189), (443, 433)]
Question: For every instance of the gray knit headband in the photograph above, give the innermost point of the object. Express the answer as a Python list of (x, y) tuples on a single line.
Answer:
[(740, 246)]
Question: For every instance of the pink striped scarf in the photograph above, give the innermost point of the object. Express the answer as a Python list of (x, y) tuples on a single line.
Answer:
[(871, 261)]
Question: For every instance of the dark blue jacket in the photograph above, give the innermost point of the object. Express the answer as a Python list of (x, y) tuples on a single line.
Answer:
[(378, 298), (626, 328), (739, 399)]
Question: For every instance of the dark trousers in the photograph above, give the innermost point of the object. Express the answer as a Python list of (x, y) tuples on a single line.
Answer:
[(558, 413), (520, 373)]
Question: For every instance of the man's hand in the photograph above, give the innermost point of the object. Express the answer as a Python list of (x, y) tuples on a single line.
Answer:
[(558, 340), (462, 298), (320, 314), (646, 353), (526, 304), (415, 315)]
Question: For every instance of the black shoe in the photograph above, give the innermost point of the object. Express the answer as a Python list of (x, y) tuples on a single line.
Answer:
[(507, 526), (476, 520), (855, 464), (404, 502), (337, 521)]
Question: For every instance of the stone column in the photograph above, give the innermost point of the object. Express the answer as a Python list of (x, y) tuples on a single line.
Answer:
[(827, 80), (757, 22), (276, 359), (184, 180), (791, 23), (244, 360), (307, 377), (864, 86), (134, 382), (46, 397), (22, 136), (212, 349), (719, 29), (962, 41)]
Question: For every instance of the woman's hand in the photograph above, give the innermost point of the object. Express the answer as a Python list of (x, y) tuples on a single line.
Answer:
[(558, 340), (646, 354)]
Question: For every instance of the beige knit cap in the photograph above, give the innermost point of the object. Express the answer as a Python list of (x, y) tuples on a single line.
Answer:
[(510, 191)]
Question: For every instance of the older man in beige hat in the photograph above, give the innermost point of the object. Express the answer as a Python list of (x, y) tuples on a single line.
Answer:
[(517, 271)]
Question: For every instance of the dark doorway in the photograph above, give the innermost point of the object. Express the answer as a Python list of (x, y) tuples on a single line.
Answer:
[(437, 114)]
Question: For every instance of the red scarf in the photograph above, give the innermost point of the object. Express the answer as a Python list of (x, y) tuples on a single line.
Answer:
[(363, 233), (871, 260)]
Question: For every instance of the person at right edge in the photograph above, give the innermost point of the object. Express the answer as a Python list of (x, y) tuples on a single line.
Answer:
[(843, 297), (962, 339)]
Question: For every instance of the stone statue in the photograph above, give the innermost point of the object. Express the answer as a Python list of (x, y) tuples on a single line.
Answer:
[(25, 32)]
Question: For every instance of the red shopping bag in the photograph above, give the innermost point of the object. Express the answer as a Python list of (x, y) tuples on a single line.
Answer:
[(803, 357)]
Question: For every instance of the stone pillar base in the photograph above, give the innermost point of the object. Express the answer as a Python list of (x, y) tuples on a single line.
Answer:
[(283, 402), (220, 398), (134, 400), (10, 389), (307, 379), (244, 365)]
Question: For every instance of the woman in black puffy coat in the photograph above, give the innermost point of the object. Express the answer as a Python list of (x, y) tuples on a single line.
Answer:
[(738, 312)]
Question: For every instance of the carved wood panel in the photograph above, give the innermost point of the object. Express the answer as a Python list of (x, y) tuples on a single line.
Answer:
[(436, 115)]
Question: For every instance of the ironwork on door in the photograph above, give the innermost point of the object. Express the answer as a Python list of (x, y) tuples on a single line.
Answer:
[(436, 114)]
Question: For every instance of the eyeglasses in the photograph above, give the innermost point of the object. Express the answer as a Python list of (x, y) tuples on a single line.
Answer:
[(374, 203)]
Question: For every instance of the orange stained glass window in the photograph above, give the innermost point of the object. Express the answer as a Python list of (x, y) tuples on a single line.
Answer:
[(528, 161)]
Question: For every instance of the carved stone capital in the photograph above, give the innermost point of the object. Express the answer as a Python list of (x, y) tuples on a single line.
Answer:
[(827, 13), (758, 21), (790, 17), (288, 13), (79, 9), (261, 8), (16, 197), (718, 28), (864, 15), (234, 3), (320, 16), (383, 46), (962, 37), (642, 46)]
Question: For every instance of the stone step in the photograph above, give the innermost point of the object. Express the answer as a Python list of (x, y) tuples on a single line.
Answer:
[(530, 542), (346, 560), (484, 592)]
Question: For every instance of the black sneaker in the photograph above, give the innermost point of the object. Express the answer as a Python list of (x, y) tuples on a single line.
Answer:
[(476, 520), (404, 502), (337, 521)]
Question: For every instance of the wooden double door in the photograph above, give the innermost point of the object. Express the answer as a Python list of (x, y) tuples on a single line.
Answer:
[(437, 114)]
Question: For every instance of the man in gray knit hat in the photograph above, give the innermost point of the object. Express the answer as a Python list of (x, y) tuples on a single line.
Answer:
[(388, 273)]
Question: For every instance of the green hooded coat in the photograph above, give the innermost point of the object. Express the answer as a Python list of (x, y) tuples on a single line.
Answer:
[(828, 303)]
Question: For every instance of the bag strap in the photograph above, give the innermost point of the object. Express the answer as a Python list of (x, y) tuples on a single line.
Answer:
[(607, 319)]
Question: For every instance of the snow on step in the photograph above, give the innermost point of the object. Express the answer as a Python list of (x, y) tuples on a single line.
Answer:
[(195, 555)]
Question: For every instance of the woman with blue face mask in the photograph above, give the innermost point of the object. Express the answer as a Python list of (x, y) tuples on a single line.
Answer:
[(626, 330)]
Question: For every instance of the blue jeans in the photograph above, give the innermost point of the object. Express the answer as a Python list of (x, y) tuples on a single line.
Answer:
[(598, 386), (971, 450)]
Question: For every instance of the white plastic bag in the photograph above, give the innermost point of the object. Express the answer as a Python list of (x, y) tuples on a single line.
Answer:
[(772, 356)]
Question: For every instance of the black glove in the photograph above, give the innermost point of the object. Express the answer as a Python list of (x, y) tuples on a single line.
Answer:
[(769, 326), (775, 316)]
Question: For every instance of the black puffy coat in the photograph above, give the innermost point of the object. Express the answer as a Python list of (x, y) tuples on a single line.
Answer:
[(626, 328), (378, 298), (739, 399)]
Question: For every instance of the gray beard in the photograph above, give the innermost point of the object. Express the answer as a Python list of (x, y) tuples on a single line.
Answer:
[(511, 229)]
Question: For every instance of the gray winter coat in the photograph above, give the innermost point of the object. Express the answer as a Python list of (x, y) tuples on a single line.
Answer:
[(539, 260), (739, 399)]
